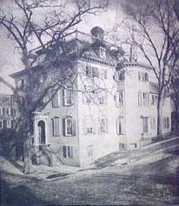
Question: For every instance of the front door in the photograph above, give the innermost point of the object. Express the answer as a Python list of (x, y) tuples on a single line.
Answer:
[(41, 128)]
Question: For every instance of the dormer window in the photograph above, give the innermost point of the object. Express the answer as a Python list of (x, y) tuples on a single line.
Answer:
[(143, 76), (102, 52), (20, 84)]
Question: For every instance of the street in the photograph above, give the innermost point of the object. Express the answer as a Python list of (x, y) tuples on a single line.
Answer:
[(152, 180)]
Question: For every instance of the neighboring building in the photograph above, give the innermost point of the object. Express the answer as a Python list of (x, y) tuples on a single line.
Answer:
[(105, 109), (7, 107)]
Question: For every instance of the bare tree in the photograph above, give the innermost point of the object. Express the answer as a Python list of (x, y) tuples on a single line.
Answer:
[(154, 31), (49, 33)]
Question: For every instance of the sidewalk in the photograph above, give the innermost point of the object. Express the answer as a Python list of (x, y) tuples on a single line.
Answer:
[(37, 171)]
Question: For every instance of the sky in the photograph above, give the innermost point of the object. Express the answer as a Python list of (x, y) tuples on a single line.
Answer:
[(9, 55)]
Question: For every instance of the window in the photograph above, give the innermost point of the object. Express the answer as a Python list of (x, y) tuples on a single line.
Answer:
[(120, 125), (90, 150), (143, 98), (152, 123), (154, 98), (145, 124), (68, 96), (0, 110), (4, 124), (69, 126), (103, 125), (89, 126), (13, 112), (7, 111), (102, 52), (92, 71), (12, 124), (20, 83), (143, 76), (55, 100), (102, 97), (166, 122), (120, 76), (3, 111), (1, 124), (120, 98), (56, 126), (68, 152)]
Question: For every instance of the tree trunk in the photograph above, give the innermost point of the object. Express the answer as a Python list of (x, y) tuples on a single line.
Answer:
[(158, 117), (27, 151)]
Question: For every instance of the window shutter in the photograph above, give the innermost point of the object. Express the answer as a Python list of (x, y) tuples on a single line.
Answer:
[(63, 99), (117, 125), (106, 124), (74, 127), (93, 126), (64, 127), (117, 98), (139, 98), (139, 76), (64, 152)]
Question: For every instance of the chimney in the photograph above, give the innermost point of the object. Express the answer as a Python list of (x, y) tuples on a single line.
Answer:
[(97, 33)]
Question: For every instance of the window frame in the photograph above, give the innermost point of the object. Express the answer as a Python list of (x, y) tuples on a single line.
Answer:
[(56, 130), (103, 128), (66, 127), (68, 152), (120, 98), (145, 125), (68, 94)]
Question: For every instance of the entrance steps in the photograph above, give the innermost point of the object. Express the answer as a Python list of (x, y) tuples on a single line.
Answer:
[(44, 155)]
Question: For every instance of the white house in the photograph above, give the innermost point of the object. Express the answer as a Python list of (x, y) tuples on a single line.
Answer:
[(103, 110)]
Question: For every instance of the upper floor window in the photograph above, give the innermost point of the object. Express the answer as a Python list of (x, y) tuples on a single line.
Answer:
[(102, 52), (120, 125), (56, 126), (152, 123), (143, 76), (1, 124), (92, 71), (120, 76), (21, 83), (143, 98), (89, 125), (68, 96), (103, 125), (55, 99), (119, 98), (13, 112), (154, 99), (102, 97), (69, 126), (68, 152), (5, 123)]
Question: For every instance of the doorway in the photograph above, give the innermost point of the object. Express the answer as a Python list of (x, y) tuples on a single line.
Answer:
[(41, 130)]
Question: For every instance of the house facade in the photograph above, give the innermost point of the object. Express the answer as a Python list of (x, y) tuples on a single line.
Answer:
[(7, 107), (103, 110)]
